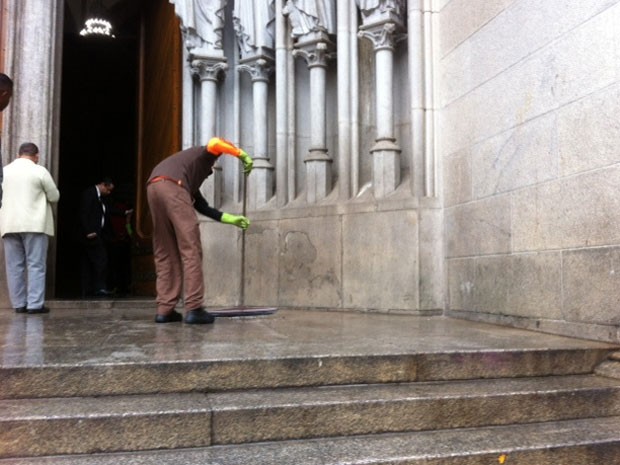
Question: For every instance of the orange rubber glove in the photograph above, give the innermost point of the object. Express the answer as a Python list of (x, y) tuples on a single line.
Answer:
[(217, 146)]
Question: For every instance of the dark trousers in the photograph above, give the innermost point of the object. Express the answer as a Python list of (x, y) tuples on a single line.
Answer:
[(94, 266), (119, 254)]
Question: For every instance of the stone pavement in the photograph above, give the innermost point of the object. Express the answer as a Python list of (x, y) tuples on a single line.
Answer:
[(85, 333), (99, 383)]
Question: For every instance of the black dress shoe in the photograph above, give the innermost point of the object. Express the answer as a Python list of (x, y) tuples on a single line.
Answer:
[(171, 317), (104, 293), (38, 310), (199, 316), (21, 310)]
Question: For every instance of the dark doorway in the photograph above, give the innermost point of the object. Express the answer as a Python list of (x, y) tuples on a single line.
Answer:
[(99, 126), (120, 115)]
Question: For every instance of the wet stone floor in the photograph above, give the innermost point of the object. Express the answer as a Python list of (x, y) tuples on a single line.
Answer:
[(87, 335)]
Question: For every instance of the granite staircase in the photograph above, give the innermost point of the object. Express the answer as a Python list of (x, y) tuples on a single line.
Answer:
[(468, 407)]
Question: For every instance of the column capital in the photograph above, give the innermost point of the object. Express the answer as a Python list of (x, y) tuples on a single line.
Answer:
[(315, 54), (383, 35), (208, 69), (259, 68)]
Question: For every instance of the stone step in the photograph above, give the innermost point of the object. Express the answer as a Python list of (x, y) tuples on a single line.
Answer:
[(38, 427), (97, 377), (575, 442)]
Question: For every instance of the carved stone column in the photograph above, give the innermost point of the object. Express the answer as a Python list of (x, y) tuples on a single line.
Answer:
[(202, 24), (260, 184), (34, 111), (316, 50), (383, 29), (208, 71), (32, 60)]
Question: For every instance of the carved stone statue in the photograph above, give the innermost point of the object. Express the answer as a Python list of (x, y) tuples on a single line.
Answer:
[(202, 22), (254, 25), (377, 8), (311, 16)]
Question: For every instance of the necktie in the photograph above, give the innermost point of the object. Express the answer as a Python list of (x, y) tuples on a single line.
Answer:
[(102, 212)]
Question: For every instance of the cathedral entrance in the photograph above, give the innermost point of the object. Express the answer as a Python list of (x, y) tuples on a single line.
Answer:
[(120, 112)]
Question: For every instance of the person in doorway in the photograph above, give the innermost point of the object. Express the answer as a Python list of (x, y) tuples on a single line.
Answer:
[(173, 195), (95, 231), (119, 250), (6, 92), (26, 222)]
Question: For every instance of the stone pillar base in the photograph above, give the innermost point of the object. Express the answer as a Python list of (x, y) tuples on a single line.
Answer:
[(318, 175), (260, 184), (385, 167)]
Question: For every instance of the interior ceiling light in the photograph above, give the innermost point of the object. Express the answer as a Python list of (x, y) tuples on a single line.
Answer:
[(95, 24)]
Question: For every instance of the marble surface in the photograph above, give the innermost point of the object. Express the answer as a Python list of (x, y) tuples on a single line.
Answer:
[(95, 336)]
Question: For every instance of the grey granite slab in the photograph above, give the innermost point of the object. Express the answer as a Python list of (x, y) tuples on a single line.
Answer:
[(575, 442), (73, 352), (31, 427), (353, 410), (35, 427), (88, 337), (56, 371)]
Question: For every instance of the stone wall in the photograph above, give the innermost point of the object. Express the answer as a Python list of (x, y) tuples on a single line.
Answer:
[(369, 256), (355, 248), (529, 137)]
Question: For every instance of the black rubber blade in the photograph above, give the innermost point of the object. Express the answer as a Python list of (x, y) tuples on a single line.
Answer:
[(242, 311)]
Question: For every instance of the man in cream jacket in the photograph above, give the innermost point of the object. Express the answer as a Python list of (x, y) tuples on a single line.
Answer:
[(26, 222)]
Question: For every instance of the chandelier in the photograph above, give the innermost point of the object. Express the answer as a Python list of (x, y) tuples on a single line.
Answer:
[(95, 24)]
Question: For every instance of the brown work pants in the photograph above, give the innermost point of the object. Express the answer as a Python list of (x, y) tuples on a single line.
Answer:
[(176, 246)]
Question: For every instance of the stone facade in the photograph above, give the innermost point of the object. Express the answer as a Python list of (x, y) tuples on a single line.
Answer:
[(455, 155), (530, 163), (323, 101)]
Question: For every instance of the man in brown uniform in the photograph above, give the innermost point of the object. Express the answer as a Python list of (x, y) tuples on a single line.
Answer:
[(174, 197)]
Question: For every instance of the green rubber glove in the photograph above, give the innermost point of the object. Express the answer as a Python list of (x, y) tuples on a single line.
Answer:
[(236, 220), (247, 161)]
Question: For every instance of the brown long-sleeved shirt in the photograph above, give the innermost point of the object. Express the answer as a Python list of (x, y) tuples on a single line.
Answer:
[(191, 167)]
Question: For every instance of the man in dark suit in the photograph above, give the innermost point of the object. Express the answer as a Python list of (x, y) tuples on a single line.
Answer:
[(95, 230)]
